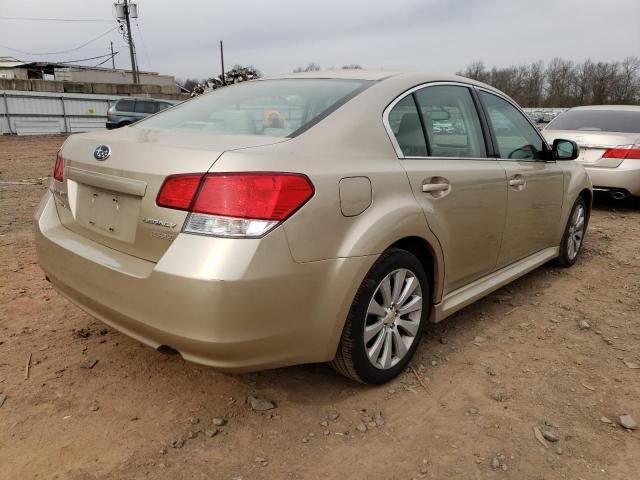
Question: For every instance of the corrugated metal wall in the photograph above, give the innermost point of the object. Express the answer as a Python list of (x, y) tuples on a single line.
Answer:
[(41, 113)]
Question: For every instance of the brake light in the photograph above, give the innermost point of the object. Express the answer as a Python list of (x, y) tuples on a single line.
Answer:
[(630, 153), (235, 204), (58, 169), (109, 113), (178, 191)]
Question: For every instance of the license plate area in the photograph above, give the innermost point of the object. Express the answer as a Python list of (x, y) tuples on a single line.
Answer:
[(112, 214)]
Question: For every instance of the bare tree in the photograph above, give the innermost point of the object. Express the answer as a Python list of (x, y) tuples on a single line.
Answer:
[(564, 84), (311, 67)]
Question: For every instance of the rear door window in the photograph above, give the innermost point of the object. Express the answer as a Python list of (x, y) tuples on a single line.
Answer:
[(143, 106), (126, 105), (405, 125), (451, 121), (517, 139)]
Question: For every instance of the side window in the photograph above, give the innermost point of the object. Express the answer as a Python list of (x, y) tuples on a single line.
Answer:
[(516, 138), (451, 121), (145, 107), (163, 105), (125, 105), (405, 125)]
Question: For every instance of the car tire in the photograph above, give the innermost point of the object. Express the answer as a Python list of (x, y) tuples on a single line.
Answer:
[(123, 124), (574, 233), (397, 282)]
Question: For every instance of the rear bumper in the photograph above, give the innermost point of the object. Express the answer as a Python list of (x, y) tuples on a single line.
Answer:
[(624, 177), (236, 305)]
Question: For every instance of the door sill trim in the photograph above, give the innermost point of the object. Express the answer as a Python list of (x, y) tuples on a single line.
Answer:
[(468, 294)]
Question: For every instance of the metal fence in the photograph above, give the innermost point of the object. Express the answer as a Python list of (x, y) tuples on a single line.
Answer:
[(43, 113)]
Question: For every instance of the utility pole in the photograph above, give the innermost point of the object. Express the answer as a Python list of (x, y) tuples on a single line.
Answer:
[(224, 82), (113, 62), (132, 47)]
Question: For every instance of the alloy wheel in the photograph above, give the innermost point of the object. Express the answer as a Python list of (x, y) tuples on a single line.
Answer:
[(393, 318), (576, 232)]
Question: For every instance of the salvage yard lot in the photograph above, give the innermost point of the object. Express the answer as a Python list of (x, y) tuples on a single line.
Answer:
[(479, 385)]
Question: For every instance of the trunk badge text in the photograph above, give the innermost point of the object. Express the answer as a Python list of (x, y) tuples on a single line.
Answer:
[(102, 152), (160, 223)]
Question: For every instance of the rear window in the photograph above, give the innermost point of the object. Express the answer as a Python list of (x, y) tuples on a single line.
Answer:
[(597, 121), (125, 105), (275, 108)]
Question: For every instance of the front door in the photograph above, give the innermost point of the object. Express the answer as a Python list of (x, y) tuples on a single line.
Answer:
[(535, 186)]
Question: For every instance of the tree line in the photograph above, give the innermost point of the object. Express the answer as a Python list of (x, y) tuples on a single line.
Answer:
[(564, 83)]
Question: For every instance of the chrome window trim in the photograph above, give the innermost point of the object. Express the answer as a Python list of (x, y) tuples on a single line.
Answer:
[(398, 99)]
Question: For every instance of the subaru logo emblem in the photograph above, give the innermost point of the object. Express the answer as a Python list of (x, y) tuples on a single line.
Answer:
[(102, 152)]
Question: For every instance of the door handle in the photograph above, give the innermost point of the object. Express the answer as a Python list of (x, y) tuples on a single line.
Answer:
[(434, 187), (517, 182)]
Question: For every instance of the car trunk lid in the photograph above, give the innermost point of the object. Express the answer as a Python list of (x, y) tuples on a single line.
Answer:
[(593, 145), (113, 201)]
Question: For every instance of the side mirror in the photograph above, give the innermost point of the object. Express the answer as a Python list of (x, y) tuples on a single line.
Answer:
[(565, 149)]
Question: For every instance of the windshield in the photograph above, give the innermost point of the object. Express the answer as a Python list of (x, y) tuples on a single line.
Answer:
[(275, 108), (598, 121)]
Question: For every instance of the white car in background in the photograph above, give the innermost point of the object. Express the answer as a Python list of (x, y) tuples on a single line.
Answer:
[(609, 140)]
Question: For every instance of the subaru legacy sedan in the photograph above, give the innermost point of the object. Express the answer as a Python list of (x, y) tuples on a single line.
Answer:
[(320, 217), (609, 140)]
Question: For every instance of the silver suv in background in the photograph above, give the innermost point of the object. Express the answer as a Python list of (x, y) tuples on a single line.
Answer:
[(129, 110)]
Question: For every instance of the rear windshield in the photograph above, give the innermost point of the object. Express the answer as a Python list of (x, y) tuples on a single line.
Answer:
[(274, 108), (597, 121)]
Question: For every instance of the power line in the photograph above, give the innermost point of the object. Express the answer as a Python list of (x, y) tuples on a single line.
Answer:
[(144, 46), (87, 59), (62, 51), (56, 19)]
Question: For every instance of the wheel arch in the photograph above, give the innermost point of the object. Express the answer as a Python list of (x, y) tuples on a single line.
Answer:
[(428, 257)]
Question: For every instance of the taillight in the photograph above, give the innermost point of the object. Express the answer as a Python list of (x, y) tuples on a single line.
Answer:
[(109, 113), (629, 153), (235, 204), (178, 191), (58, 169)]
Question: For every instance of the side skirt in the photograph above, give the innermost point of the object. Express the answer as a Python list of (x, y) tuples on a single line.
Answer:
[(468, 294)]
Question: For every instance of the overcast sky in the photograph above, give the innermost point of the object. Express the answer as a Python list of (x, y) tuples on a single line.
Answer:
[(181, 37)]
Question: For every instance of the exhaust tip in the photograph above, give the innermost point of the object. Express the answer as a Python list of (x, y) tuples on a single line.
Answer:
[(619, 195), (167, 350)]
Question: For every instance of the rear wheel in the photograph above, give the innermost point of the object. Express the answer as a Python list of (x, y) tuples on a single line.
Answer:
[(124, 124), (574, 233), (386, 320)]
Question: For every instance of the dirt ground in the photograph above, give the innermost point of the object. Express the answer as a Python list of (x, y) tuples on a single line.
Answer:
[(480, 383)]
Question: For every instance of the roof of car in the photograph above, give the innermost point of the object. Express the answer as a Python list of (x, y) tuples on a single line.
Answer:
[(376, 75), (147, 98), (629, 108)]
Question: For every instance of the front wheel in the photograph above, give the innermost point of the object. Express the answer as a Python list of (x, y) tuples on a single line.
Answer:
[(574, 233), (386, 320)]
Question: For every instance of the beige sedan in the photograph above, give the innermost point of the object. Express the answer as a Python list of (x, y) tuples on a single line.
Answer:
[(322, 217), (609, 141)]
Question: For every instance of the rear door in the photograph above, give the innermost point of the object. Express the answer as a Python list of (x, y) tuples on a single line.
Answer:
[(462, 192), (535, 186)]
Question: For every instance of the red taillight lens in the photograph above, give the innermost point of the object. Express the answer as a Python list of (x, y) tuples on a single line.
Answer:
[(58, 169), (178, 191), (235, 204), (253, 196), (623, 153)]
